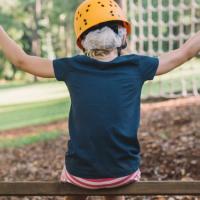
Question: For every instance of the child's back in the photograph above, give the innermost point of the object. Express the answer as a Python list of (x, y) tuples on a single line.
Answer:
[(105, 112)]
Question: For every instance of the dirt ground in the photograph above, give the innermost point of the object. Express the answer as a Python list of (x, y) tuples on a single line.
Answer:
[(169, 138)]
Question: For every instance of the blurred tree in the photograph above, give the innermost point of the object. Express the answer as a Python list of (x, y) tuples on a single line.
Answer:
[(45, 27), (41, 27)]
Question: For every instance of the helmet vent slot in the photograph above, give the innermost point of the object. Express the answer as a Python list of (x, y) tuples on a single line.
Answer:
[(85, 22)]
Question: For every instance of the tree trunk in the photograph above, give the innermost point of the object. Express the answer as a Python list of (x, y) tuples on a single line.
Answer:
[(36, 50), (14, 70), (68, 37), (49, 41)]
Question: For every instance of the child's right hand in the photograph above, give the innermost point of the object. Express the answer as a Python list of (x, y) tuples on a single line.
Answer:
[(35, 65)]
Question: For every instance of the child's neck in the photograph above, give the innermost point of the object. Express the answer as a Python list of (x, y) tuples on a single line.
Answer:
[(111, 56)]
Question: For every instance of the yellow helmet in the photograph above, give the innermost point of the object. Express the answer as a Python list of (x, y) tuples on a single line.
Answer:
[(93, 12)]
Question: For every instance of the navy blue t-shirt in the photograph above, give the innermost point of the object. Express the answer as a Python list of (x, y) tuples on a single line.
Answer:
[(105, 113)]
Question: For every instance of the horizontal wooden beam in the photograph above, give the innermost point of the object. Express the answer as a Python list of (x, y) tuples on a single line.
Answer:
[(64, 189)]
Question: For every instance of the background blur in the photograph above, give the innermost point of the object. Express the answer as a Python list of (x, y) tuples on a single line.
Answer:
[(45, 28), (34, 111)]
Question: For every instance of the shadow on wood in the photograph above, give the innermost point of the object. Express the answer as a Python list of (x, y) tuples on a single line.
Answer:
[(134, 189)]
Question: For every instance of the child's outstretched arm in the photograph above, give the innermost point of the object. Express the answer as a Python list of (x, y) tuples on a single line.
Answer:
[(35, 65), (173, 59)]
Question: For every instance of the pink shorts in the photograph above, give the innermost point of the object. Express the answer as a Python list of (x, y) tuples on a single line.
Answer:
[(99, 183)]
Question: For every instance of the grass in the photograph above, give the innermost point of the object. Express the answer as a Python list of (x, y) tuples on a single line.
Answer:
[(27, 139), (17, 116), (47, 111)]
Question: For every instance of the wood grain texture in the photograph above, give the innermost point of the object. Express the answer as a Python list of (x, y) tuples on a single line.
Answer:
[(63, 189)]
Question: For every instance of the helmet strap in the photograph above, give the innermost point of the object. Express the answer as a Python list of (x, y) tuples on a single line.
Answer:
[(124, 45), (119, 51)]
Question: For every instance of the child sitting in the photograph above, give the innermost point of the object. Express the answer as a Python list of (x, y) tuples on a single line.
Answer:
[(105, 90)]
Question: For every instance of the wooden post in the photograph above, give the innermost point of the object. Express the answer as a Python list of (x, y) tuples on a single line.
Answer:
[(119, 2), (123, 4)]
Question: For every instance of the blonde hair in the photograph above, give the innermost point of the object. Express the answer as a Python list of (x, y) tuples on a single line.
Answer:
[(98, 52), (102, 42)]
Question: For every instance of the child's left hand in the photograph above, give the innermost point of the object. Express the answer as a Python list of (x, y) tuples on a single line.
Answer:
[(175, 58)]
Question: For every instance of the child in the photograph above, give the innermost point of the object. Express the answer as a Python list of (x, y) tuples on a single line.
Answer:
[(105, 89)]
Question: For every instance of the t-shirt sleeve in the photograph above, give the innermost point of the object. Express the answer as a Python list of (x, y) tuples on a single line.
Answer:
[(61, 68), (148, 67)]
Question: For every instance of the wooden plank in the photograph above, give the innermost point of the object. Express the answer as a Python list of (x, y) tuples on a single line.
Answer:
[(63, 189)]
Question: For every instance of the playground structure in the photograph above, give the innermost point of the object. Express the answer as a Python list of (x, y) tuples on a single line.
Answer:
[(161, 26)]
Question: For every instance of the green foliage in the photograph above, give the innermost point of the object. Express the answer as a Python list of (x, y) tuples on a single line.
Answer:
[(25, 23)]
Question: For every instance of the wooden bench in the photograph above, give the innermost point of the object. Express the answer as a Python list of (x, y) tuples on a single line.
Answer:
[(65, 189)]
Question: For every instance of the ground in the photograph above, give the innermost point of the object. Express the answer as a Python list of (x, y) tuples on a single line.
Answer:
[(169, 138)]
